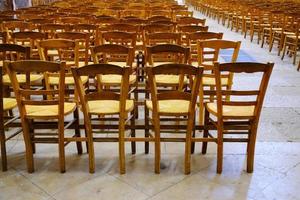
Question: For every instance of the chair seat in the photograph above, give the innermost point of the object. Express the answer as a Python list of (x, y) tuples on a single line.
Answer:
[(168, 79), (108, 107), (68, 80), (235, 111), (173, 106), (112, 79), (44, 111), (22, 78), (9, 103), (210, 81)]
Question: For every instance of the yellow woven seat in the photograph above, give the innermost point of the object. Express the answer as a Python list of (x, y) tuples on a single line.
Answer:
[(210, 81), (108, 107), (9, 103), (168, 79), (111, 79), (45, 111), (173, 106), (236, 111), (68, 80), (22, 78)]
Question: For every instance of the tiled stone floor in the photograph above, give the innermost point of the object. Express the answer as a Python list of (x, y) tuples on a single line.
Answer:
[(277, 161)]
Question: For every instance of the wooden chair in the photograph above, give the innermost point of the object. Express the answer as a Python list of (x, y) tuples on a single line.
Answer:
[(174, 103), (291, 42), (208, 53), (83, 42), (29, 38), (164, 54), (53, 108), (103, 103), (193, 38), (240, 116), (52, 29), (91, 29)]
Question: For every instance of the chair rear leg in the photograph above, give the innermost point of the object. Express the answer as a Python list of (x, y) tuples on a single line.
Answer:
[(251, 148), (132, 121), (77, 131), (3, 148), (205, 132)]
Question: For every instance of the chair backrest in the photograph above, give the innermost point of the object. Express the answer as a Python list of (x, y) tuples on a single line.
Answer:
[(113, 53), (252, 97), (170, 53), (209, 50), (119, 37), (99, 70), (190, 21), (67, 50), (192, 28), (31, 96), (123, 27), (182, 70), (51, 29), (82, 40), (13, 52)]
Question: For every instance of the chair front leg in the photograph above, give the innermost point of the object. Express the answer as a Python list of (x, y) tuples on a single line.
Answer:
[(3, 146), (156, 125), (122, 145), (220, 147), (61, 145), (205, 132), (28, 145)]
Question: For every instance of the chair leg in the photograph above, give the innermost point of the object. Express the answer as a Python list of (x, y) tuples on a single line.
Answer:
[(220, 147), (28, 146), (90, 145), (132, 121), (61, 146), (156, 125), (187, 160), (251, 149), (295, 55), (205, 132), (77, 132), (193, 143), (284, 49), (201, 106), (146, 117), (31, 130), (3, 148), (122, 145), (271, 43)]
